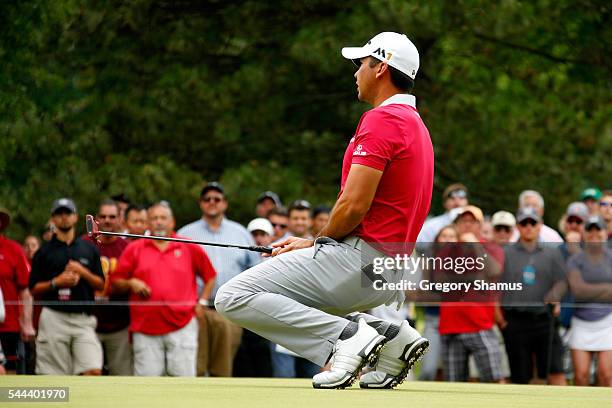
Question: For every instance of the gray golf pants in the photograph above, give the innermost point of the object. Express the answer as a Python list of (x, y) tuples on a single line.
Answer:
[(299, 299)]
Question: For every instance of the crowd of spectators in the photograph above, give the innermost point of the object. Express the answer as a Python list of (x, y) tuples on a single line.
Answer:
[(73, 305)]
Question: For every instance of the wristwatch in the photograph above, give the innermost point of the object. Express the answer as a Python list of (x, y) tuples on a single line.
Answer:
[(204, 302)]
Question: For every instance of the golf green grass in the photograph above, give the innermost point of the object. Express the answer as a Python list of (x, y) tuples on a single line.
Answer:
[(127, 392)]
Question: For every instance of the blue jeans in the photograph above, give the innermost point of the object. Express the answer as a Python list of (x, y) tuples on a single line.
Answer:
[(287, 366)]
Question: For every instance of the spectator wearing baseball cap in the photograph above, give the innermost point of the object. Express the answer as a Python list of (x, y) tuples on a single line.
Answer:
[(575, 216), (531, 198), (528, 325), (572, 225), (219, 339), (265, 202), (65, 273), (503, 225), (591, 328), (454, 197), (468, 328), (591, 197), (16, 328), (261, 230), (605, 209)]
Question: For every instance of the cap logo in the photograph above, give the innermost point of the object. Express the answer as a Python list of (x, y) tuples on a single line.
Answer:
[(389, 55), (380, 51)]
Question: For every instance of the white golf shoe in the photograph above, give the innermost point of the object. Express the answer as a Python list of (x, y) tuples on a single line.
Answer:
[(396, 359), (349, 356)]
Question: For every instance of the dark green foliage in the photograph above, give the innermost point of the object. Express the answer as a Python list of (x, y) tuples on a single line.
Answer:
[(153, 98)]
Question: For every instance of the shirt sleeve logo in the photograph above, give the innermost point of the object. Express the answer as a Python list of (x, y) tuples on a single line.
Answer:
[(359, 151)]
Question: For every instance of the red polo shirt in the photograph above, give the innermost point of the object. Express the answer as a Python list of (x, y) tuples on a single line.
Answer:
[(393, 138), (14, 277), (171, 275), (474, 316)]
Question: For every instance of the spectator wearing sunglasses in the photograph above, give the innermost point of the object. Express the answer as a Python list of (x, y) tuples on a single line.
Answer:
[(113, 320), (573, 227), (279, 218), (529, 326), (590, 277), (605, 210), (503, 225), (531, 198), (219, 339)]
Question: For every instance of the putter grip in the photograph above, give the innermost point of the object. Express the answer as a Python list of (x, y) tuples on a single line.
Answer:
[(264, 249)]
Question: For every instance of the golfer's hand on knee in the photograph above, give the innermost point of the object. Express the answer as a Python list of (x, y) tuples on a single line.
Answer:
[(291, 244)]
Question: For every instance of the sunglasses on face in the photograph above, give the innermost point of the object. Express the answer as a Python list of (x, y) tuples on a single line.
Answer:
[(593, 227), (501, 228), (457, 194), (605, 203), (283, 226), (63, 211), (525, 223), (572, 220), (213, 199)]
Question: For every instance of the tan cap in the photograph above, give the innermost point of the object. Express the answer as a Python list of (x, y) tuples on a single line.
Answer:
[(472, 209), (503, 218)]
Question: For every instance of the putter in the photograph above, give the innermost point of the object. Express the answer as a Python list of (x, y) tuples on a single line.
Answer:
[(93, 231)]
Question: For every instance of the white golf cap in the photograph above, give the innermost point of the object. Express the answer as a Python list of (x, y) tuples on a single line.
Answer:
[(393, 48), (260, 224), (503, 218)]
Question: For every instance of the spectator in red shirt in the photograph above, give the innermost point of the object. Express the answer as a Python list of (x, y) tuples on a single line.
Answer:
[(160, 277), (14, 274), (468, 328), (113, 320)]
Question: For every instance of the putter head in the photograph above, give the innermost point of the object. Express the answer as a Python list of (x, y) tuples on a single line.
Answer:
[(91, 225)]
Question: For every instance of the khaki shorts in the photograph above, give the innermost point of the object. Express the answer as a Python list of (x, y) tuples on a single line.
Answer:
[(67, 343), (172, 354), (218, 342), (118, 352)]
